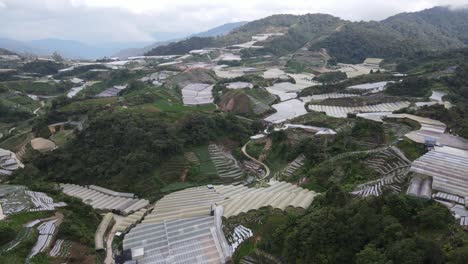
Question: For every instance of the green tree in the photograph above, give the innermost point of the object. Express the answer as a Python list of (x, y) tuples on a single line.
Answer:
[(371, 255)]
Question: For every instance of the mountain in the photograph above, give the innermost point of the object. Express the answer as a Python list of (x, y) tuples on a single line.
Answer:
[(67, 48), (438, 28), (221, 30), (6, 52), (217, 31), (18, 46)]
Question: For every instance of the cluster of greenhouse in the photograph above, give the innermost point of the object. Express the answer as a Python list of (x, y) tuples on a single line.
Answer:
[(370, 87), (191, 240), (343, 111), (185, 226), (285, 90), (448, 168), (287, 110), (124, 223), (42, 202), (16, 198), (320, 97), (104, 201), (241, 199)]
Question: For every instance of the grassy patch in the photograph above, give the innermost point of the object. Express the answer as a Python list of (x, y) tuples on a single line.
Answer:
[(246, 248), (347, 172), (255, 149), (321, 120), (16, 221), (206, 167), (412, 150), (13, 143), (37, 88), (62, 137), (88, 105), (176, 186)]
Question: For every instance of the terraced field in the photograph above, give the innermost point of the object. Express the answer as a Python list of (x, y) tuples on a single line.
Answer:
[(172, 169), (393, 169), (292, 167), (207, 166), (61, 249), (226, 165), (258, 107)]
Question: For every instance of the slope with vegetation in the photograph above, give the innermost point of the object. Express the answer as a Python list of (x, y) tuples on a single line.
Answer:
[(439, 28)]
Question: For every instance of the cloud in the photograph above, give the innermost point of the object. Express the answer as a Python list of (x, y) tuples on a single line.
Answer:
[(137, 20)]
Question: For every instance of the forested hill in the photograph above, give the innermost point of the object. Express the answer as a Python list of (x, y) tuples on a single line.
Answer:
[(438, 28)]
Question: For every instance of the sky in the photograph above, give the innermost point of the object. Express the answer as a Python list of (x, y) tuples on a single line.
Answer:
[(99, 21)]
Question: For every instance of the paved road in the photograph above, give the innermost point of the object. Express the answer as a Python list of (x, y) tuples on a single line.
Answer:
[(267, 174)]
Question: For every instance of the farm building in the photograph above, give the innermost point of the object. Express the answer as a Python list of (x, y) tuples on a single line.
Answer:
[(111, 92)]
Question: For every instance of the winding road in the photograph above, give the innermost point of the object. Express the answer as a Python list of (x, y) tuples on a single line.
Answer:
[(244, 150)]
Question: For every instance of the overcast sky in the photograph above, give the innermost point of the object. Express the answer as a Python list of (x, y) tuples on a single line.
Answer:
[(135, 20)]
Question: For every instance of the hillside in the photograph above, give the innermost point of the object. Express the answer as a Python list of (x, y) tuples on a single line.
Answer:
[(6, 52), (214, 32), (439, 28)]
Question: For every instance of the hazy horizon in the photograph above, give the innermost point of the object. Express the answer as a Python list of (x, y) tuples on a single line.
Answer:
[(119, 21)]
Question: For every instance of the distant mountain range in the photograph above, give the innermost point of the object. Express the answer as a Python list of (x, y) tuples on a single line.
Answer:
[(214, 32), (438, 28), (78, 50), (67, 48)]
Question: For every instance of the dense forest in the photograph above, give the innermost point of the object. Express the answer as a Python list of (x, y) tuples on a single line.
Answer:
[(388, 229), (122, 150)]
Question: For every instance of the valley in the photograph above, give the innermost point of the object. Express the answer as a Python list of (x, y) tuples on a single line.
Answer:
[(289, 139)]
